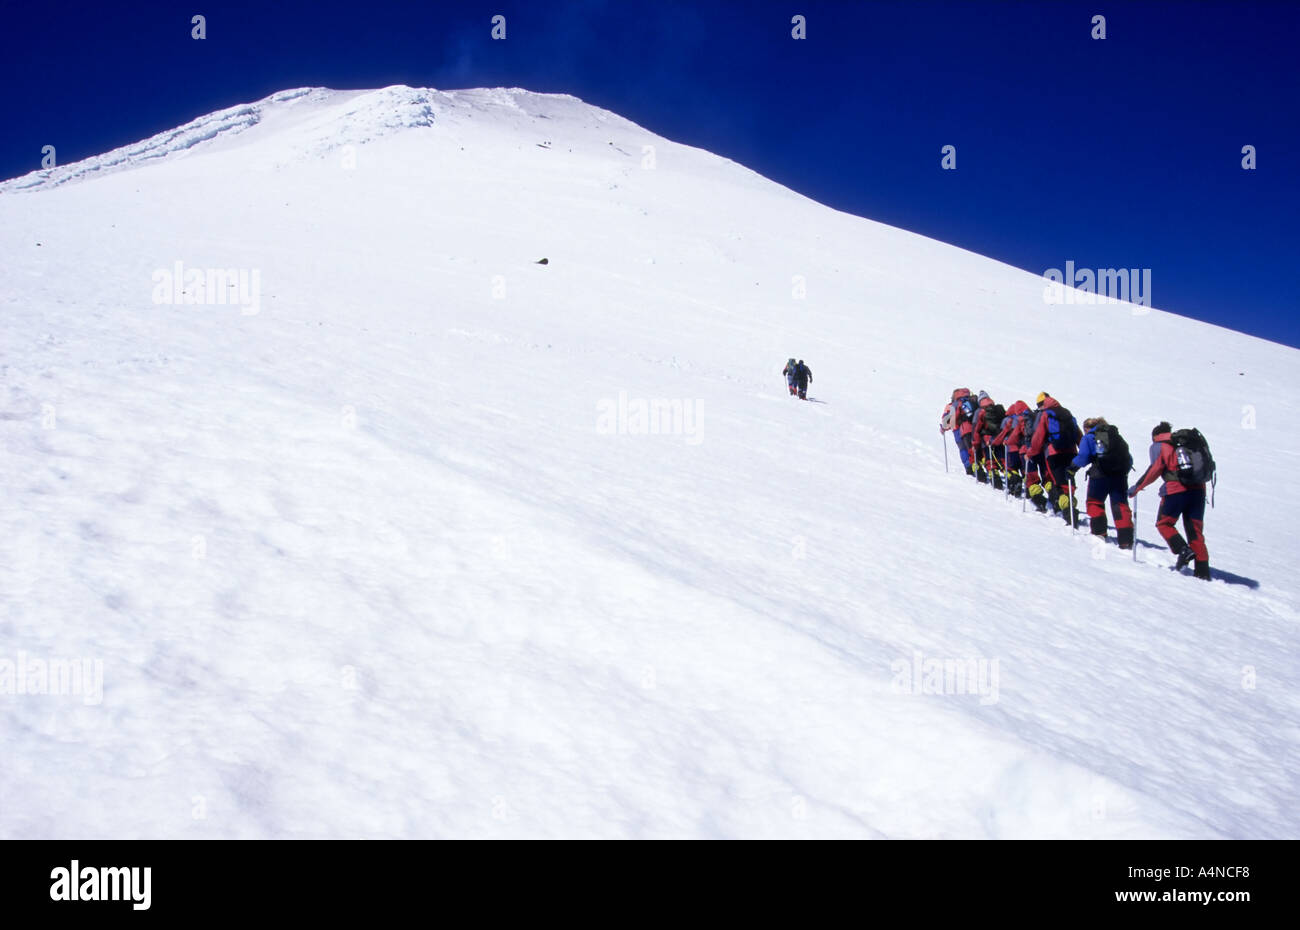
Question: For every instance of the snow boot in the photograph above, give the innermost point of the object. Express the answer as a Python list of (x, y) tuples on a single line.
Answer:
[(1184, 559), (1202, 570)]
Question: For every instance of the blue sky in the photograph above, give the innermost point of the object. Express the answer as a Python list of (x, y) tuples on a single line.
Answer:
[(1124, 152)]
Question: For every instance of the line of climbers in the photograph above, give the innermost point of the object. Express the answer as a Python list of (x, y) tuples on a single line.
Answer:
[(1037, 452)]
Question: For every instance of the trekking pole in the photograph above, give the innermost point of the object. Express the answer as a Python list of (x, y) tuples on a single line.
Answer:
[(944, 442), (1074, 511), (1135, 528)]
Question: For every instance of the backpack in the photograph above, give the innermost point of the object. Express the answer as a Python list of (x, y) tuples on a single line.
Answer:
[(965, 408), (1195, 463), (1062, 430), (1113, 457), (1028, 423), (994, 414)]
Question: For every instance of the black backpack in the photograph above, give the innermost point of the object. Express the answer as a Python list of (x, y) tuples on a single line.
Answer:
[(966, 407), (1062, 429), (993, 416), (1195, 463), (1029, 425), (1113, 457)]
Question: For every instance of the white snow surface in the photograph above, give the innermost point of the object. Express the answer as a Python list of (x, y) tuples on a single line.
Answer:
[(369, 562)]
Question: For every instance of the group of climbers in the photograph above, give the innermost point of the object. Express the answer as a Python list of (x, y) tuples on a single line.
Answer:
[(1036, 452), (797, 377)]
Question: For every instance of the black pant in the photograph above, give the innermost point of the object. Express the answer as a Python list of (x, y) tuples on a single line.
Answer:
[(1057, 463)]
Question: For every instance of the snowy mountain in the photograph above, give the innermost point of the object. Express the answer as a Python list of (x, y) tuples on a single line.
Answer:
[(398, 532)]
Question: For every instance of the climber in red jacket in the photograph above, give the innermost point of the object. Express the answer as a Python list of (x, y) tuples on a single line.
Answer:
[(1180, 500), (1056, 435)]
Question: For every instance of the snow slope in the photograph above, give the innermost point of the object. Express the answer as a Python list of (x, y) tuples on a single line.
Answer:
[(381, 559)]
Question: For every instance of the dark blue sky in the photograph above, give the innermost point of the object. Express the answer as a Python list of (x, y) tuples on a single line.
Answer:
[(1117, 153)]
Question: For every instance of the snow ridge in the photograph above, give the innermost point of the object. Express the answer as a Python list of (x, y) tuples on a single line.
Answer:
[(228, 122), (333, 118)]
